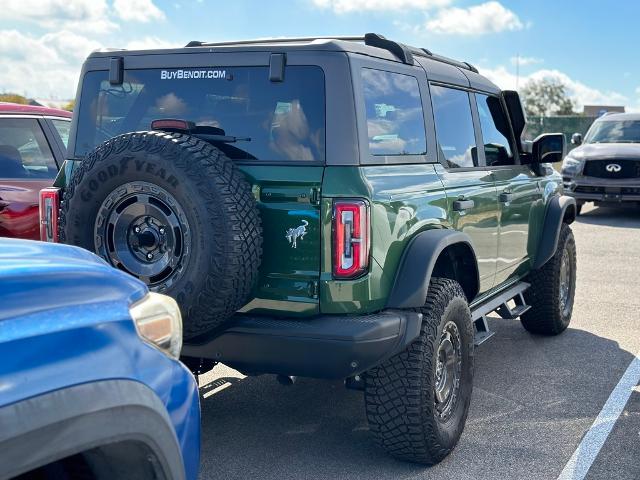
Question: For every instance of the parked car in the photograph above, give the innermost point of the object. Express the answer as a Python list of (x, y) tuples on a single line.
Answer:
[(33, 142), (90, 384), (338, 208), (605, 167)]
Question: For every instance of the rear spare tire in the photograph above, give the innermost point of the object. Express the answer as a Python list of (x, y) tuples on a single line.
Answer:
[(173, 211)]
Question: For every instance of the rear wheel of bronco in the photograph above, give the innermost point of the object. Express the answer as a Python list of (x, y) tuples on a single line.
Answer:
[(417, 401), (173, 211), (552, 289)]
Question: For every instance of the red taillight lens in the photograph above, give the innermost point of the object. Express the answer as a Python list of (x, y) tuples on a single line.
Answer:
[(49, 209), (350, 238)]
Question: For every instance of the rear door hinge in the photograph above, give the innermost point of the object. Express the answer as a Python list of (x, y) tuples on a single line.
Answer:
[(314, 196), (313, 289)]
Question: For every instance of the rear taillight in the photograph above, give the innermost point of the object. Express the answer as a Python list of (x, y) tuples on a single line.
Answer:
[(350, 238), (49, 209)]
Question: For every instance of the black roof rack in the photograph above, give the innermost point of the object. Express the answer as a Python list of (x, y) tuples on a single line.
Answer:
[(404, 53)]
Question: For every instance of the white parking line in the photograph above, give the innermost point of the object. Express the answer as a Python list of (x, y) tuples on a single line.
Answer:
[(582, 459)]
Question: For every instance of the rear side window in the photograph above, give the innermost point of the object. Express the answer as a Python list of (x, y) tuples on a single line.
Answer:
[(395, 122), (454, 127), (274, 121), (24, 151), (495, 130)]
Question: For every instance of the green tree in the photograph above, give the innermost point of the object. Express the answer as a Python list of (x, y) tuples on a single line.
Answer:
[(13, 98), (70, 106), (545, 97)]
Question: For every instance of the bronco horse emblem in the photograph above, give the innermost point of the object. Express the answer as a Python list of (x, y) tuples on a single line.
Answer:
[(293, 234)]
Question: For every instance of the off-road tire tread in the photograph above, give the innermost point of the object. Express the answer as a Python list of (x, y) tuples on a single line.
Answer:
[(544, 317), (221, 295), (399, 402)]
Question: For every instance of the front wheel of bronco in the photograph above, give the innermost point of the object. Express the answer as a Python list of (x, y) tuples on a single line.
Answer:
[(552, 289), (417, 401)]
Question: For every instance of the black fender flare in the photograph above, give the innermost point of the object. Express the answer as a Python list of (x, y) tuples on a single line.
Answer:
[(561, 208), (58, 424), (416, 266)]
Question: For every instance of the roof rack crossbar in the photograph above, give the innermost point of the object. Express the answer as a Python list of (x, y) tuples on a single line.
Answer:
[(404, 53), (450, 61)]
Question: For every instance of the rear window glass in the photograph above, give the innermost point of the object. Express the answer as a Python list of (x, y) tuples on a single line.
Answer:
[(395, 122), (284, 121)]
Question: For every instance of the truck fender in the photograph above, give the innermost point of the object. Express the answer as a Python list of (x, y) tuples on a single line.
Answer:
[(561, 208), (49, 427), (418, 261)]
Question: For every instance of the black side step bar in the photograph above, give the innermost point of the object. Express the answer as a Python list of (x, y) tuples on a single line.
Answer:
[(500, 305)]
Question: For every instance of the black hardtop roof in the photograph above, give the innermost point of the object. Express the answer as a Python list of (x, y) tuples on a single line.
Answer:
[(371, 44)]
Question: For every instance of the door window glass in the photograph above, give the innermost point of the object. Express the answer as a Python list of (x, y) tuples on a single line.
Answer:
[(24, 152), (495, 130), (62, 127), (454, 127), (395, 122)]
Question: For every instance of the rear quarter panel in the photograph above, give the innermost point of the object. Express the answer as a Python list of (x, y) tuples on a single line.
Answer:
[(404, 200)]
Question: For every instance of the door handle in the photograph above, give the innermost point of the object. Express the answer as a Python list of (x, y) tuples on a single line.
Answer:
[(506, 197), (462, 205)]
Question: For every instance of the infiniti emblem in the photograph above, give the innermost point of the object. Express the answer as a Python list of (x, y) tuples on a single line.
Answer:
[(613, 168)]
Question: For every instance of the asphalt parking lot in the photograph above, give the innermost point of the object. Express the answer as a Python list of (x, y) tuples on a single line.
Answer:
[(534, 398)]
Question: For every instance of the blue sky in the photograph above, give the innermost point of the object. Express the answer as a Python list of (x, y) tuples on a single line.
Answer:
[(589, 45)]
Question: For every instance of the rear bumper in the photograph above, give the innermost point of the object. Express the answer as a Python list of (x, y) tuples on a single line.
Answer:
[(329, 346), (592, 189)]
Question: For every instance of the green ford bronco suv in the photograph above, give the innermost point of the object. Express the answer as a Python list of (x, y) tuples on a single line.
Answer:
[(349, 208)]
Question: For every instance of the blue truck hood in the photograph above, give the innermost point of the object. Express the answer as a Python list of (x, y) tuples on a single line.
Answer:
[(37, 276)]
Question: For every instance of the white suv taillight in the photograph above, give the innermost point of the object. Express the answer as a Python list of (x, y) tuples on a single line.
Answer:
[(350, 238), (49, 210)]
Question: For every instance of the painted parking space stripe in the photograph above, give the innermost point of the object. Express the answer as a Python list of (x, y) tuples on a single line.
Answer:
[(587, 451)]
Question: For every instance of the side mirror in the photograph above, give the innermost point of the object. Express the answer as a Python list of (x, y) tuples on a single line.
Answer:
[(576, 139), (547, 148)]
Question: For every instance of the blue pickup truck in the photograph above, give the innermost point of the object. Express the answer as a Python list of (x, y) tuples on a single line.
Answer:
[(90, 384)]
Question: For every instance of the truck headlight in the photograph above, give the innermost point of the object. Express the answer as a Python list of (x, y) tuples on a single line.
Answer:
[(571, 165), (158, 321)]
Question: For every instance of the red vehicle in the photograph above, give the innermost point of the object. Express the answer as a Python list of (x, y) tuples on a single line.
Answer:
[(33, 142)]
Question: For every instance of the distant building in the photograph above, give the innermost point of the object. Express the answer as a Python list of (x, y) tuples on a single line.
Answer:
[(598, 110)]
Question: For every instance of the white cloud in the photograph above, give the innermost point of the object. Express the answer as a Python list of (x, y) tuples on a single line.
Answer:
[(488, 17), (579, 92), (70, 45), (524, 61), (38, 67), (347, 6), (74, 15), (148, 43), (49, 66), (138, 10)]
